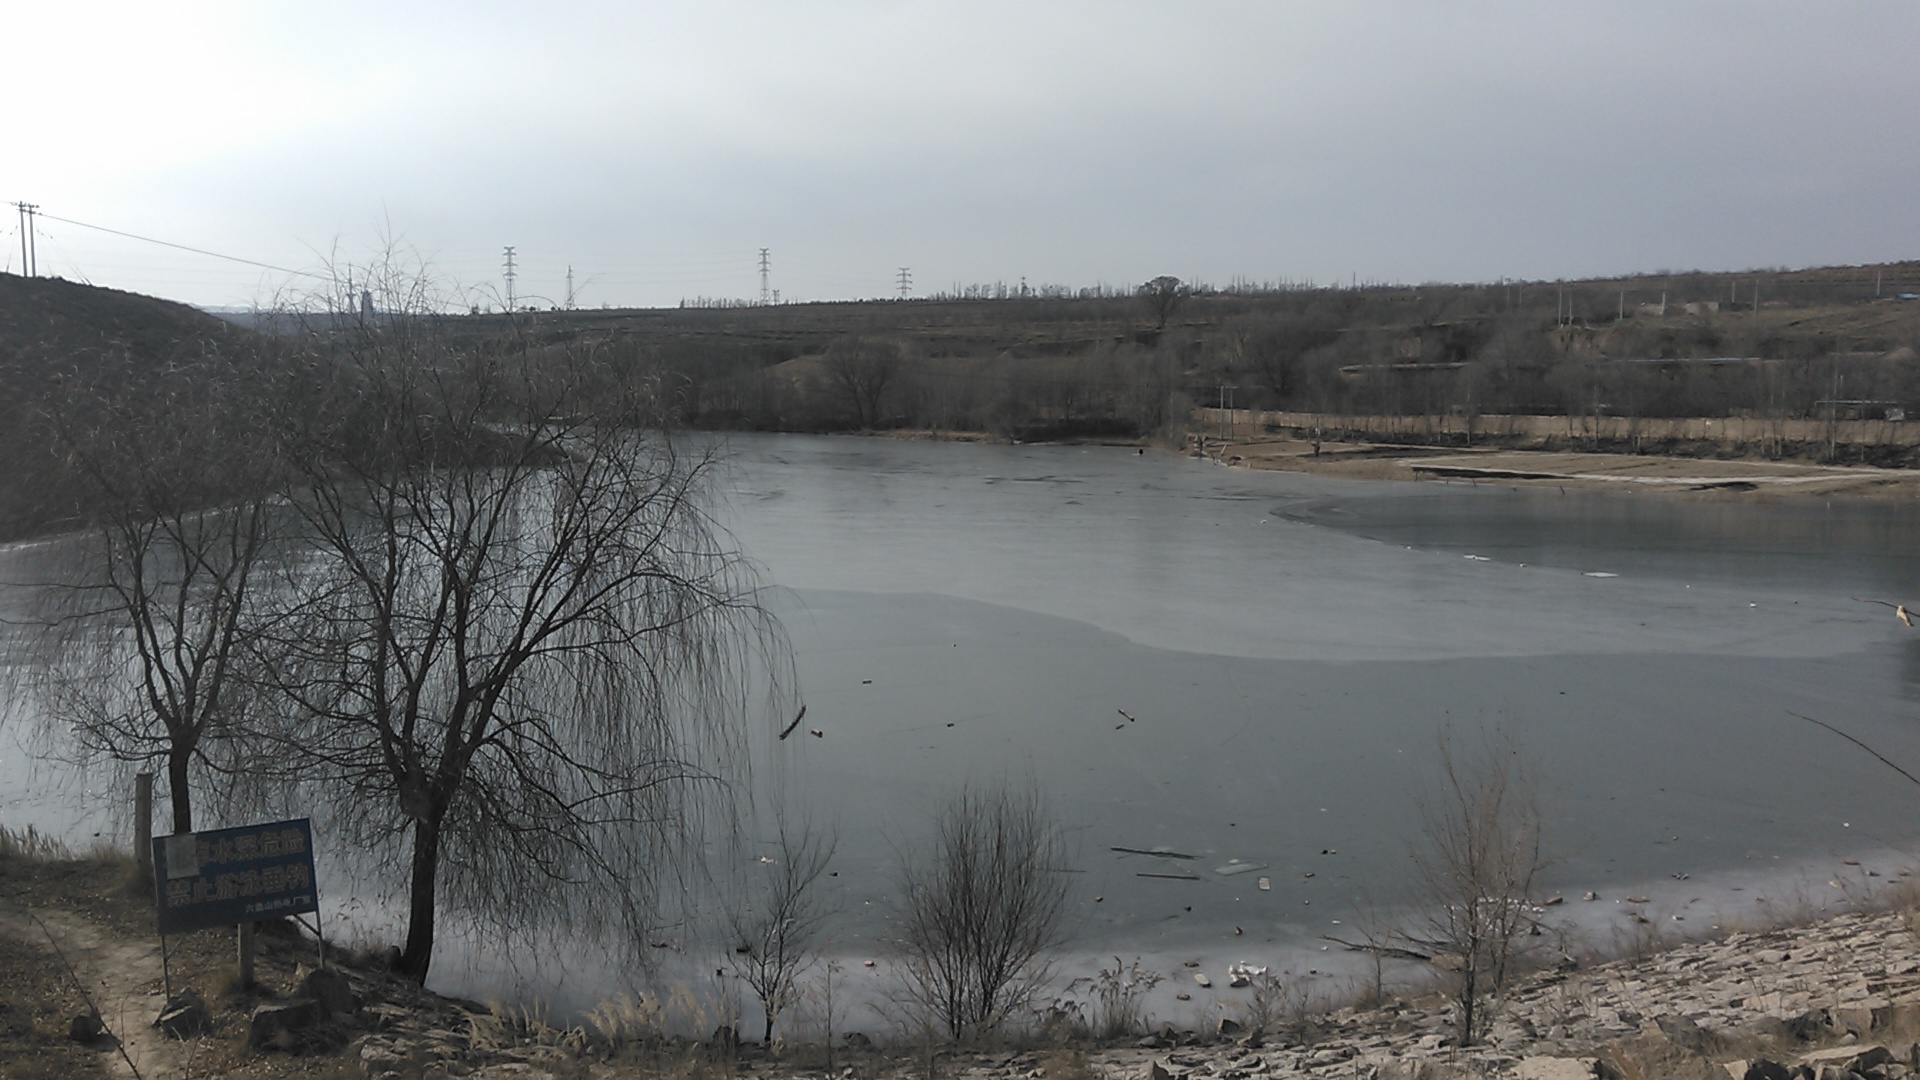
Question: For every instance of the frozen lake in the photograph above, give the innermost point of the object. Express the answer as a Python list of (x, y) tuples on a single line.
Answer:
[(1289, 647)]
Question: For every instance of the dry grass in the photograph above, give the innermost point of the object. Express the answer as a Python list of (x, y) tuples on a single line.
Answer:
[(625, 1026), (1273, 1002), (32, 845), (1103, 1007), (505, 1025)]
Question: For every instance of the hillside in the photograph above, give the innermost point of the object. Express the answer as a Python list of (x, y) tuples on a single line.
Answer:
[(52, 315), (56, 336)]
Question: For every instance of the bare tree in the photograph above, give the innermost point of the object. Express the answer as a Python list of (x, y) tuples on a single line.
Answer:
[(1162, 295), (1479, 854), (519, 649), (144, 655), (1276, 349), (777, 926), (982, 907), (863, 367)]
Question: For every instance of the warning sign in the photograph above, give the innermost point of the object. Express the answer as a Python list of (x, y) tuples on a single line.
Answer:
[(230, 876)]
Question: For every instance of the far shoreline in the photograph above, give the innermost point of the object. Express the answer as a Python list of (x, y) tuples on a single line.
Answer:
[(1733, 478)]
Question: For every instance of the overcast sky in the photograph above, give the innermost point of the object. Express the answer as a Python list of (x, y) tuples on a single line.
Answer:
[(656, 148)]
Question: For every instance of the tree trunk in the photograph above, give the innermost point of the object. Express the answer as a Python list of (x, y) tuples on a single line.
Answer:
[(1469, 992), (177, 793), (418, 955)]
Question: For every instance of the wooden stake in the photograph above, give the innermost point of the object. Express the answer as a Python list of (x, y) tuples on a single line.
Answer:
[(143, 824), (246, 955)]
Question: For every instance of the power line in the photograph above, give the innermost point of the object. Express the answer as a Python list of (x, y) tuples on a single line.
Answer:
[(32, 210)]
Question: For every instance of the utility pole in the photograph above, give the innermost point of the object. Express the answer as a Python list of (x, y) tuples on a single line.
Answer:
[(510, 277), (1833, 409), (29, 243), (1226, 405), (906, 283), (766, 294), (569, 286)]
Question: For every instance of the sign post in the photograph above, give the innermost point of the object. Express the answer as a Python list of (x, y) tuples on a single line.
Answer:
[(246, 954)]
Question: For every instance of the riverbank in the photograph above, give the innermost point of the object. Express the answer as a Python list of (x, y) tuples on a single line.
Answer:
[(1754, 479), (75, 937)]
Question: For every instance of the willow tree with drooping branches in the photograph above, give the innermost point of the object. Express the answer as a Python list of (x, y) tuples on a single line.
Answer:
[(519, 658)]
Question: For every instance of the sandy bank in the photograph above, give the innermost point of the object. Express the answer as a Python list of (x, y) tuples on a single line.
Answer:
[(1691, 477)]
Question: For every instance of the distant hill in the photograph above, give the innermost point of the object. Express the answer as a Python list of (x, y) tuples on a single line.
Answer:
[(53, 331), (76, 319), (1780, 345)]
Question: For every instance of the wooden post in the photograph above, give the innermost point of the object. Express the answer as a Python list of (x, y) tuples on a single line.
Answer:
[(143, 824), (246, 955)]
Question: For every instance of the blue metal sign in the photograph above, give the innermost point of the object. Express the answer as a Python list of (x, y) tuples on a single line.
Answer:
[(230, 876)]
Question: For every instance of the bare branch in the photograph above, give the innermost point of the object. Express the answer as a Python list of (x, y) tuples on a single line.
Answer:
[(982, 908), (1479, 854), (1877, 754), (777, 924)]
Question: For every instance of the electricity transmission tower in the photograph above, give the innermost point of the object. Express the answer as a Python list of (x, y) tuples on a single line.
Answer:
[(569, 286), (510, 277), (766, 296), (906, 283), (29, 243)]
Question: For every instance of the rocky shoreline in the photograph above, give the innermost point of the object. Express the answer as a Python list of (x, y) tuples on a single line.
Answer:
[(1828, 1000), (1828, 992), (1840, 997)]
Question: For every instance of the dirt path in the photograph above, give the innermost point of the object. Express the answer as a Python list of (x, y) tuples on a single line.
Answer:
[(122, 976)]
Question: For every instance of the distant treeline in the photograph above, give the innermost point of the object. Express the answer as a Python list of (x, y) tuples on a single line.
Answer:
[(1039, 364)]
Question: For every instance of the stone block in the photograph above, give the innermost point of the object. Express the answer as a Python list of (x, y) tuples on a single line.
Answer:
[(184, 1016), (1554, 1068), (85, 1027), (332, 990), (1853, 1019), (282, 1025)]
